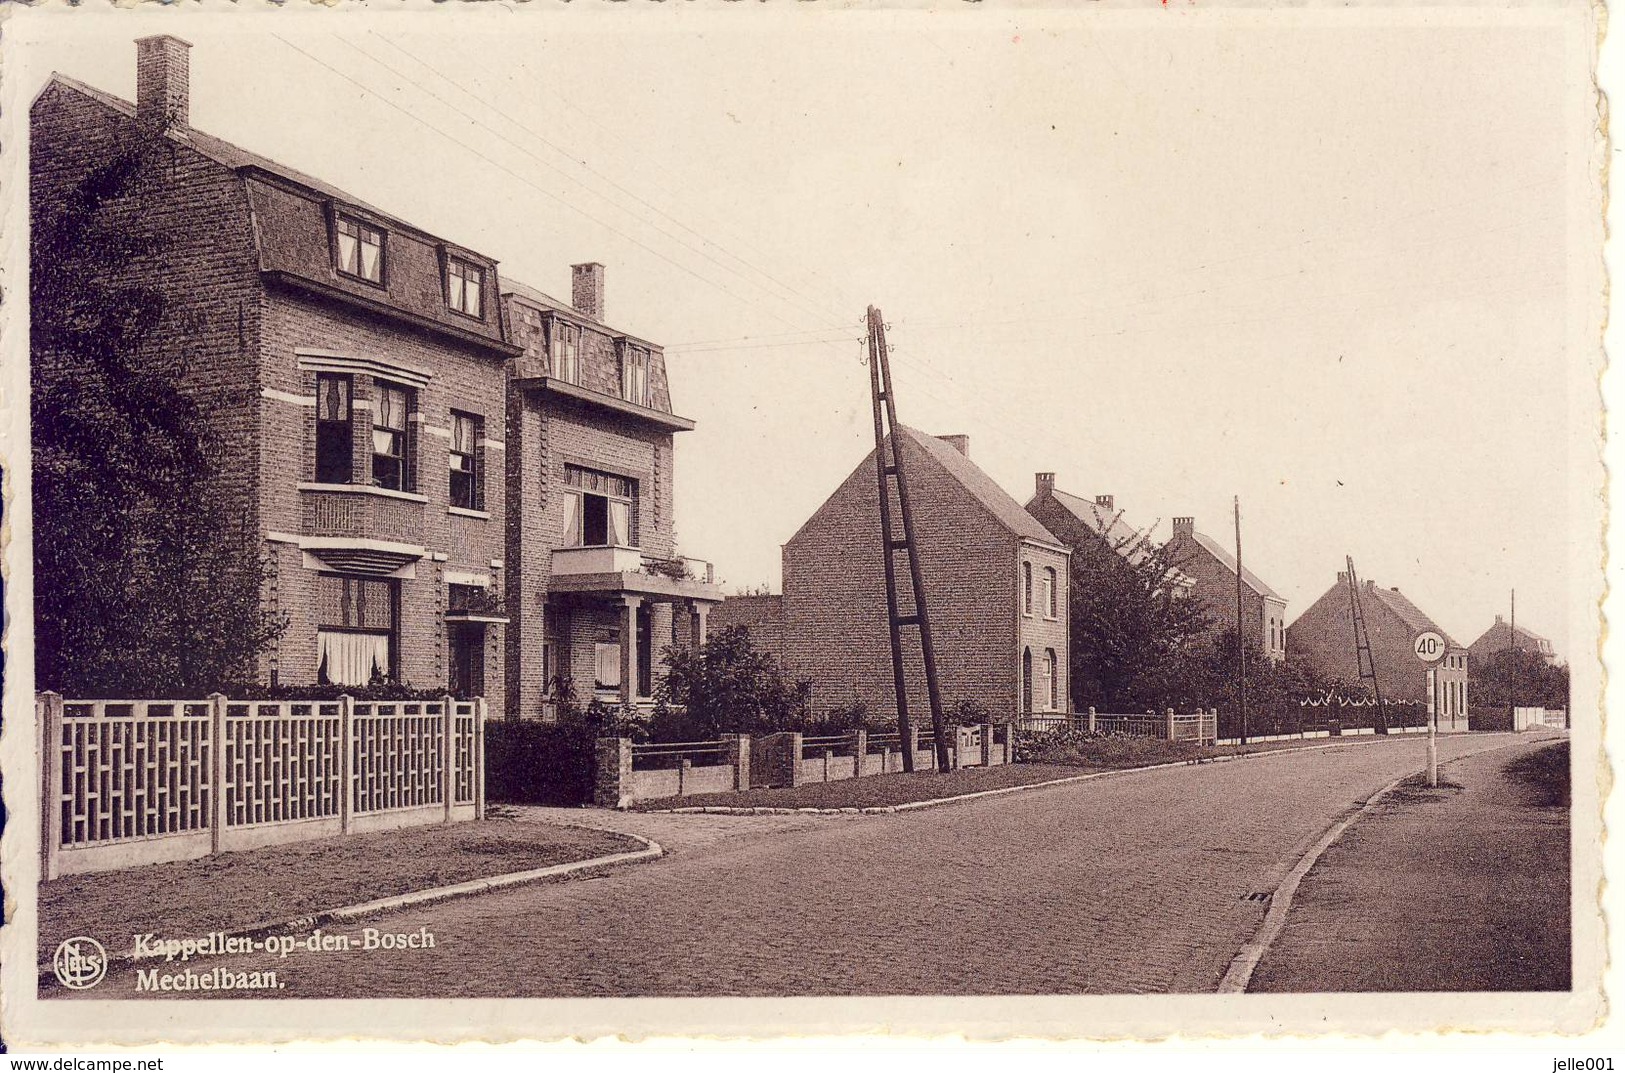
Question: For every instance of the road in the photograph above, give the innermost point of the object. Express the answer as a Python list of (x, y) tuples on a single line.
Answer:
[(1140, 883)]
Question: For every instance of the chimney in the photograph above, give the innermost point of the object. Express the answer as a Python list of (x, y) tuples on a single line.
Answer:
[(162, 77), (1370, 586), (1499, 621), (1342, 577), (958, 442), (1184, 528), (1045, 483), (587, 289), (1106, 503)]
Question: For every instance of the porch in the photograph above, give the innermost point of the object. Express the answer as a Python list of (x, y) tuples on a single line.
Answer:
[(611, 612)]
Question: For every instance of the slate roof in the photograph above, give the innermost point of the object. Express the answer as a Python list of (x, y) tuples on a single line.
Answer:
[(1228, 561), (984, 489)]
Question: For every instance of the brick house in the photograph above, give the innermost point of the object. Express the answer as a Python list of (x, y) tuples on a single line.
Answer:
[(995, 584), (1500, 637), (354, 365), (760, 616), (1323, 636), (1081, 523), (1212, 569), (595, 584), (384, 403)]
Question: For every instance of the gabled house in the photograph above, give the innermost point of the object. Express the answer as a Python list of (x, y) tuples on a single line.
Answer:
[(1500, 636), (1212, 570), (596, 586), (995, 583), (1098, 523), (1323, 636), (355, 368)]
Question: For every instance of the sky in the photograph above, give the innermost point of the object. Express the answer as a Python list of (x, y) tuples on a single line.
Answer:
[(1338, 269)]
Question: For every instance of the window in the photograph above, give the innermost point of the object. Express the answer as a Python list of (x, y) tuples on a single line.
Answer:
[(1052, 672), (464, 461), (1051, 599), (355, 631), (600, 509), (1026, 679), (606, 655), (360, 250), (566, 365), (335, 442), (1027, 589), (635, 375), (389, 449), (463, 286)]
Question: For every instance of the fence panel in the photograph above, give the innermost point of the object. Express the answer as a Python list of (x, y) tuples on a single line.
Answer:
[(399, 750), (133, 769), (282, 762)]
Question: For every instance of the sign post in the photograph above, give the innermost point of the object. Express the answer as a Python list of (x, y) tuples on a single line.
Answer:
[(1429, 648)]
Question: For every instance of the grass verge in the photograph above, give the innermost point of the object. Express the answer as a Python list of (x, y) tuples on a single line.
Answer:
[(1545, 773), (262, 886)]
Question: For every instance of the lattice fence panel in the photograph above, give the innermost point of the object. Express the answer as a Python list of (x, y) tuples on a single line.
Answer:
[(399, 750), (282, 762), (133, 769)]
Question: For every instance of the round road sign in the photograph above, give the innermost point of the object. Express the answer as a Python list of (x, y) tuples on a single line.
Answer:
[(1429, 647)]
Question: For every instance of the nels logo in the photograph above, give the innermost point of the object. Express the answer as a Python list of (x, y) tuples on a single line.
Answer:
[(79, 963)]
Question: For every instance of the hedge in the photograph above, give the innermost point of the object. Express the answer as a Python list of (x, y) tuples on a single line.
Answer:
[(539, 763)]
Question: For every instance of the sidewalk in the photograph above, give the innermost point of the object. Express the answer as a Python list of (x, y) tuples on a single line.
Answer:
[(1460, 888)]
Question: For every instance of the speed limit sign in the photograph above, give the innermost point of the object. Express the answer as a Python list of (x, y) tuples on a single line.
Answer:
[(1429, 647)]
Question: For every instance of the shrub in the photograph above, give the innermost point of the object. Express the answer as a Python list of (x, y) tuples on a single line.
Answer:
[(968, 713), (381, 691), (540, 763), (1077, 746)]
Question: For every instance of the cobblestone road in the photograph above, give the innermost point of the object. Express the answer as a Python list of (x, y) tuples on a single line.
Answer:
[(1134, 883)]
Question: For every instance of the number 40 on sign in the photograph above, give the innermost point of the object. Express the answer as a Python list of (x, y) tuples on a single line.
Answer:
[(1429, 647)]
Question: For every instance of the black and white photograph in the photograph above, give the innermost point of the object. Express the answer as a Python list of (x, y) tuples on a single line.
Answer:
[(545, 520)]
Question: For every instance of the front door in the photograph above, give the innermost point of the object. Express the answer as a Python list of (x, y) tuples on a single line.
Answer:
[(467, 643)]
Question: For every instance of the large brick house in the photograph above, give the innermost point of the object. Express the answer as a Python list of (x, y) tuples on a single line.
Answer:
[(1093, 523), (1212, 570), (379, 420), (1323, 636), (995, 581), (596, 586)]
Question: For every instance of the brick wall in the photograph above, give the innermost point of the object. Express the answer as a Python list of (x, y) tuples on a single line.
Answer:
[(1039, 632), (1215, 587), (835, 631)]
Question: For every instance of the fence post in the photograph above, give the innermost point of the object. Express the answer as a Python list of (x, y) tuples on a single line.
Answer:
[(1091, 718), (739, 756), (448, 757), (1169, 715), (346, 761), (987, 744), (790, 757), (48, 708), (479, 758), (682, 774), (612, 784), (860, 752), (217, 773), (1213, 727)]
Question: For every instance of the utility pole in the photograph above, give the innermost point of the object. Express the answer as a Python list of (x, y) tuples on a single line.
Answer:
[(1241, 641), (885, 414), (1511, 670), (1364, 662)]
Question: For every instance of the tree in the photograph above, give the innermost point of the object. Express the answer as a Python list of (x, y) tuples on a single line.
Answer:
[(1519, 677), (726, 686), (143, 586), (1135, 634)]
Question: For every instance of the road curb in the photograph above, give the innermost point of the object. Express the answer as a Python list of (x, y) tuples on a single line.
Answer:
[(912, 806), (651, 849), (1246, 961)]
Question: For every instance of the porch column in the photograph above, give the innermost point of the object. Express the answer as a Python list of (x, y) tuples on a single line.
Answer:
[(701, 609), (629, 648)]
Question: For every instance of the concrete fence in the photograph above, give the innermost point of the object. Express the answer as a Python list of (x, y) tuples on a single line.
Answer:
[(132, 782), (1198, 726), (628, 772)]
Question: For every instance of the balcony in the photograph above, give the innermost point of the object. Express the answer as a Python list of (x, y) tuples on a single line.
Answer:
[(618, 569)]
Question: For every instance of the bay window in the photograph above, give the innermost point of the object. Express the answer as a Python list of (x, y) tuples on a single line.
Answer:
[(390, 459), (335, 433), (600, 509)]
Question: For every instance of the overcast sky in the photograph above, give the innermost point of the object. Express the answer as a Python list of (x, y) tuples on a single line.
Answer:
[(1331, 269)]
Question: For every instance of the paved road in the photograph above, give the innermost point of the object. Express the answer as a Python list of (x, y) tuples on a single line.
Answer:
[(1135, 883)]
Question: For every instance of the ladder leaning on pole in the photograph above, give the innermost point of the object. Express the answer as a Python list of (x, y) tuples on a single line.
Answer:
[(889, 464), (1363, 661)]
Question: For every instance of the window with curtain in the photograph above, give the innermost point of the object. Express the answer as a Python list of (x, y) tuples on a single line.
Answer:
[(360, 250), (1052, 672), (463, 286), (355, 632), (635, 375), (600, 509), (566, 362), (1051, 600), (606, 665), (464, 461), (390, 457), (335, 438)]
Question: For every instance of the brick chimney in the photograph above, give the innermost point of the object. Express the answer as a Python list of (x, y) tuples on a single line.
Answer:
[(958, 442), (1184, 528), (587, 289), (1342, 577), (1499, 621), (1045, 483), (162, 82), (1106, 503)]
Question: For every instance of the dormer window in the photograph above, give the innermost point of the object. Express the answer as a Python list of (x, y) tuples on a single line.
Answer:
[(566, 362), (635, 375), (360, 250), (464, 283)]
